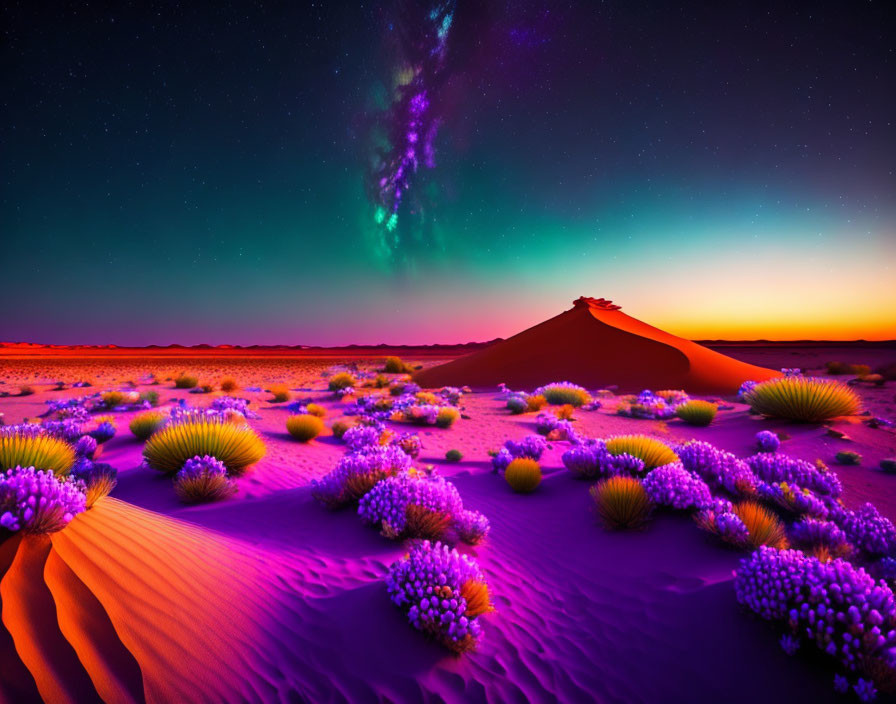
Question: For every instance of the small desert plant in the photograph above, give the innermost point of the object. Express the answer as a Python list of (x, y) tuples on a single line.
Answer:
[(380, 381), (236, 445), (229, 385), (454, 456), (561, 393), (565, 412), (342, 380), (763, 526), (535, 403), (145, 424), (651, 452), (26, 390), (205, 388), (111, 399), (203, 479), (316, 410), (185, 381), (99, 479), (304, 427), (523, 475), (848, 457), (804, 399), (847, 368), (395, 365), (447, 416), (517, 405), (696, 412), (621, 502), (151, 397), (426, 398), (42, 452), (340, 427), (36, 501), (279, 394)]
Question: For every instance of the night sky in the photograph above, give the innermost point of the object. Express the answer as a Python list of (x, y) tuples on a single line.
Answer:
[(332, 173)]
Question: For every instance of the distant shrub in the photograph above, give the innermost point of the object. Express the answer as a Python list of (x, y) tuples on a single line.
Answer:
[(621, 502), (564, 392), (836, 368), (37, 501), (316, 410), (340, 427), (447, 416), (304, 427), (409, 443), (535, 402), (697, 412), (673, 486), (806, 399), (279, 393), (442, 592), (653, 453), (204, 388), (454, 456), (395, 365), (203, 479), (763, 526), (848, 457), (111, 399), (146, 423), (186, 381), (102, 428), (20, 447), (26, 390), (150, 397), (342, 380), (229, 385), (236, 445), (565, 412), (517, 405), (523, 475)]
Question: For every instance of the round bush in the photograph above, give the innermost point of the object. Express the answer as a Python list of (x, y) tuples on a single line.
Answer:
[(650, 451), (805, 399), (186, 381), (229, 385), (304, 427), (696, 412), (145, 424), (20, 448), (316, 409), (454, 456), (447, 416), (562, 393), (523, 475), (343, 380), (203, 479), (236, 445)]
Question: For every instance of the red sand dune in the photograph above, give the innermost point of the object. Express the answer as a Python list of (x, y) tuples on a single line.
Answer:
[(595, 344)]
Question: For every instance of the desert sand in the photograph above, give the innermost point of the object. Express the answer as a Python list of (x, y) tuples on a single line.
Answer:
[(270, 597)]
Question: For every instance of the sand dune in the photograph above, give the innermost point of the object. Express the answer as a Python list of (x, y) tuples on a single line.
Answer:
[(596, 345)]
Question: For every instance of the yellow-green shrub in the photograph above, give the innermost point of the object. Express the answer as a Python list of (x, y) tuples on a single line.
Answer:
[(316, 410), (650, 451), (697, 412), (622, 502), (185, 381), (804, 399), (765, 528), (304, 427), (342, 380), (523, 475), (145, 424), (447, 417), (235, 445), (228, 385), (279, 393), (38, 451), (395, 365)]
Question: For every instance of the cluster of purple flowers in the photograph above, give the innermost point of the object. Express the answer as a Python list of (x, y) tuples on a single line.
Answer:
[(428, 584), (361, 436), (792, 498), (674, 486), (650, 406), (592, 459), (835, 605), (744, 389), (203, 478), (814, 533), (718, 517), (36, 501), (376, 460), (868, 530), (69, 429), (102, 432), (767, 441), (75, 408), (720, 469), (86, 446), (409, 443), (230, 404), (387, 504), (549, 424), (772, 468), (531, 446)]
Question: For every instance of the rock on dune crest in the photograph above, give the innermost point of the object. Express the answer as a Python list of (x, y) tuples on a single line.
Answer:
[(596, 345)]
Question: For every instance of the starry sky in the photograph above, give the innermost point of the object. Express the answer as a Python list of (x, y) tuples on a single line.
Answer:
[(422, 172)]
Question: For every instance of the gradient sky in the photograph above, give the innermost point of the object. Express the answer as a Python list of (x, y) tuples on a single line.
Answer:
[(174, 173)]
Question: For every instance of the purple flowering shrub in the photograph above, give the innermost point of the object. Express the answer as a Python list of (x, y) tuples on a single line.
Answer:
[(357, 473), (413, 506), (869, 531), (409, 443), (836, 606), (767, 441), (774, 468), (591, 459), (792, 499), (98, 479), (719, 469), (531, 447), (36, 501), (649, 405), (674, 486), (442, 592), (744, 389), (230, 405), (820, 538), (203, 479), (718, 517), (361, 436)]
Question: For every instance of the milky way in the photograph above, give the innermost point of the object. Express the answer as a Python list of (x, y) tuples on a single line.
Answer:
[(404, 132)]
